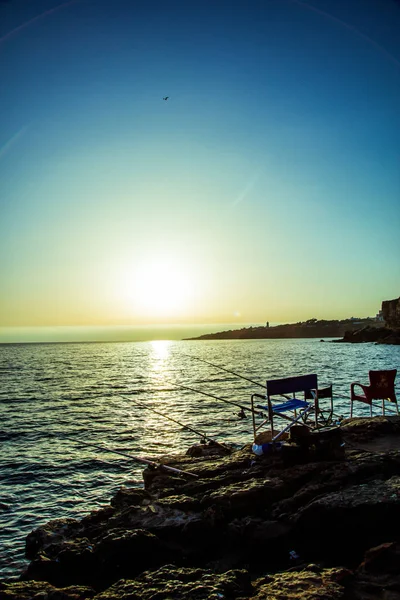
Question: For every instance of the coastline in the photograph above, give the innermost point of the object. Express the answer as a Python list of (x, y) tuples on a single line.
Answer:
[(322, 522), (304, 329)]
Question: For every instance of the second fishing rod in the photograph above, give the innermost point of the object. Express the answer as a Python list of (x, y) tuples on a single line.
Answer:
[(242, 377), (202, 435)]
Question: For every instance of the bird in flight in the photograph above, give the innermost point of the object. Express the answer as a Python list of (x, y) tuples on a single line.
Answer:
[(165, 97)]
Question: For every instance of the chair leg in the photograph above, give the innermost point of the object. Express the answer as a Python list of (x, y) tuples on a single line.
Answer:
[(383, 407), (254, 417), (397, 407), (370, 409), (351, 408)]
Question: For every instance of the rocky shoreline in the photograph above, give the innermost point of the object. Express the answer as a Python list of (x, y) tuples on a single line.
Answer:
[(377, 335), (311, 521)]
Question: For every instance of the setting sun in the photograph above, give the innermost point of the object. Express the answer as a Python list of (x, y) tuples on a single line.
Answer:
[(158, 287)]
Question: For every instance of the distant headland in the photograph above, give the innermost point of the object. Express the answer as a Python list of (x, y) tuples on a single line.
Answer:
[(384, 328), (312, 328)]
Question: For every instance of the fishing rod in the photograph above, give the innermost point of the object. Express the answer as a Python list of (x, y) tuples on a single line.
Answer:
[(223, 369), (146, 461), (232, 373), (185, 387), (157, 412)]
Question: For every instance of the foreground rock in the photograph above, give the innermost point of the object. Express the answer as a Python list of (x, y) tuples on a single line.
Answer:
[(301, 523)]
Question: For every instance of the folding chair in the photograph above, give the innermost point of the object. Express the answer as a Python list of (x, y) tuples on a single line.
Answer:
[(381, 387), (324, 411), (298, 409)]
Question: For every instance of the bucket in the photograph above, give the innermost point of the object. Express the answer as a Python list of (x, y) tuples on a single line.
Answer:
[(263, 442), (266, 436)]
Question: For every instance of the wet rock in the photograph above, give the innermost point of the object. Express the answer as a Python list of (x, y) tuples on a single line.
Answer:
[(381, 559), (130, 497), (378, 576), (182, 502), (360, 428), (393, 339), (211, 449), (379, 335), (39, 590), (304, 585), (125, 554), (342, 524), (155, 517), (71, 563), (43, 568), (238, 498), (181, 584), (261, 542), (53, 533)]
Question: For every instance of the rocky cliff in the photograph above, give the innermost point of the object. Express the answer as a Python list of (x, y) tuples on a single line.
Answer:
[(315, 520), (389, 334), (391, 313)]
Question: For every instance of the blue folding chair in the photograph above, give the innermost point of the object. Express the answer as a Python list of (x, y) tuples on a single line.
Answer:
[(293, 409)]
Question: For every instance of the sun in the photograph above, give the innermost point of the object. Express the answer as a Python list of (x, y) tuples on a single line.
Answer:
[(158, 287)]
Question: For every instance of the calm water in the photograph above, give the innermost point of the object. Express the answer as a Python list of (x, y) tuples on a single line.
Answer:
[(50, 391)]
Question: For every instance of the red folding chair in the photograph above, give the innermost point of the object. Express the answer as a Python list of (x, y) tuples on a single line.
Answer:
[(381, 387)]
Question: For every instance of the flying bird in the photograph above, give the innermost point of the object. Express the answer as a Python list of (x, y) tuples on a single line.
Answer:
[(165, 97)]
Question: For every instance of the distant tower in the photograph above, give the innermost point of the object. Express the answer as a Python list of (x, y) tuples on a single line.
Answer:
[(267, 324)]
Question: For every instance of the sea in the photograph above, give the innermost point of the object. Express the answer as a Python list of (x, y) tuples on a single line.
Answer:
[(65, 408)]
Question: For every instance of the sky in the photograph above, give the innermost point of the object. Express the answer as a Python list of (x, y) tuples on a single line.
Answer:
[(265, 188)]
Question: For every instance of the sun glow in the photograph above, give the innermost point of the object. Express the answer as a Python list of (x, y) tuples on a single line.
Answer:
[(160, 287)]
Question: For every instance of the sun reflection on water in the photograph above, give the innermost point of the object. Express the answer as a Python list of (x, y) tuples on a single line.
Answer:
[(161, 349), (163, 432)]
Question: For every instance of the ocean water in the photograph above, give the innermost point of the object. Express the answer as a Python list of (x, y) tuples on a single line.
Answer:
[(55, 399)]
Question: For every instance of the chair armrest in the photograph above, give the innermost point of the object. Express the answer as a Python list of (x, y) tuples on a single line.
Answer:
[(365, 388), (252, 403), (258, 396)]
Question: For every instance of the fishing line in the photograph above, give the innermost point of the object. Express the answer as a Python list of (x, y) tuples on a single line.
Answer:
[(146, 461), (224, 369), (237, 375), (157, 412), (185, 387)]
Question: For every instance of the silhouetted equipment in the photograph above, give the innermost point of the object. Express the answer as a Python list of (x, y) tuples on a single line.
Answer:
[(298, 409), (325, 415), (146, 461), (381, 387), (203, 436)]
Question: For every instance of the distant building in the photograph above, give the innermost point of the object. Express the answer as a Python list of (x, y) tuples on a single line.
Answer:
[(379, 316), (267, 324)]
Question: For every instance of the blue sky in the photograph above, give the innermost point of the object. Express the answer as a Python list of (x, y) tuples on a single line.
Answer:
[(267, 187)]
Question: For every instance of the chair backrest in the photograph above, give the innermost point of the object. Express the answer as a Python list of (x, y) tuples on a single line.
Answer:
[(382, 384), (325, 392), (291, 385)]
